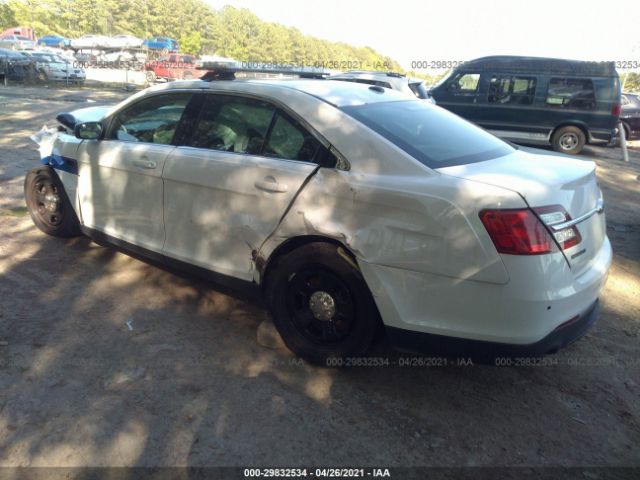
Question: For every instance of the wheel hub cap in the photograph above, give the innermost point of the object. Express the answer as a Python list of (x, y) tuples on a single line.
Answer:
[(568, 141), (322, 306), (51, 202)]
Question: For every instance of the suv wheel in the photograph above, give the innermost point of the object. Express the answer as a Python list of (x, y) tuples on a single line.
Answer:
[(568, 140)]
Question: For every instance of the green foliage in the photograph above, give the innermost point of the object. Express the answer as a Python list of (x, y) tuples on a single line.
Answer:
[(230, 32), (631, 82), (429, 80), (7, 19), (191, 43)]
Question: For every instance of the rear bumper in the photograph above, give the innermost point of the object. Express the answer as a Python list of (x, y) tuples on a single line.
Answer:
[(542, 294), (561, 337), (608, 137)]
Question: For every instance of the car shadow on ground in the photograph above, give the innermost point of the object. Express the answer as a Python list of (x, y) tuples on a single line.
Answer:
[(111, 360)]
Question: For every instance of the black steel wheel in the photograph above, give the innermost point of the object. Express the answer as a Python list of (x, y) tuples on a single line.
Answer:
[(321, 304), (48, 203)]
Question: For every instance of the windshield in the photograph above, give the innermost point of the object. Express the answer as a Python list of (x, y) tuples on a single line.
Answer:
[(435, 137)]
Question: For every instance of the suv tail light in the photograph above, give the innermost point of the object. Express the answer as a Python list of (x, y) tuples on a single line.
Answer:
[(616, 110), (521, 231)]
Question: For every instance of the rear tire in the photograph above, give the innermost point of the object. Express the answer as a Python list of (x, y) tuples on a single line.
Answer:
[(321, 305), (569, 140), (48, 203)]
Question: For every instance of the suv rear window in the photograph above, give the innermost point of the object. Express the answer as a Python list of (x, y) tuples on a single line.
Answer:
[(432, 135)]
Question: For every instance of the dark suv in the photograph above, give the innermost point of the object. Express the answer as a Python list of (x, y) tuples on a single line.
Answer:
[(565, 103)]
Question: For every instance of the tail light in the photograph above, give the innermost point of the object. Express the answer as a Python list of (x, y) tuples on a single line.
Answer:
[(615, 111), (521, 231), (555, 215)]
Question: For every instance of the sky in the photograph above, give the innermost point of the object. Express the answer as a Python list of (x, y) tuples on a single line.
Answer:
[(446, 30)]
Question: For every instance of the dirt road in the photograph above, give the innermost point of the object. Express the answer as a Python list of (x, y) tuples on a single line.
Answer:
[(109, 360)]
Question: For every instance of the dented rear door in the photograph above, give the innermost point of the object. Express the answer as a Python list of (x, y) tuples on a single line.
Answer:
[(227, 190)]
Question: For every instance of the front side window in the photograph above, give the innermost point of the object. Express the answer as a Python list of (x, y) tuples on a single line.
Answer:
[(512, 90), (151, 120), (465, 82), (233, 124), (571, 93), (433, 136)]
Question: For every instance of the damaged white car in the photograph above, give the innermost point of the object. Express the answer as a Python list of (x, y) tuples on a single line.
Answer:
[(352, 209)]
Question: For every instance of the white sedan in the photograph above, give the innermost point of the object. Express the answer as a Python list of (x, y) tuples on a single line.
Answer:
[(52, 67), (352, 208), (123, 41), (89, 42)]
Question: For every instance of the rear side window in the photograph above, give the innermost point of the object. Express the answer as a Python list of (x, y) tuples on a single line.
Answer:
[(433, 136), (152, 120), (245, 125), (512, 90), (233, 124), (575, 93), (290, 141)]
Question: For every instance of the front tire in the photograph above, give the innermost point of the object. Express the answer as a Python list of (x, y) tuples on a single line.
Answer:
[(321, 305), (48, 203), (569, 140)]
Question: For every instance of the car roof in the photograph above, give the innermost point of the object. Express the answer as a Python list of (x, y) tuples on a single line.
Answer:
[(513, 63), (11, 53), (338, 94)]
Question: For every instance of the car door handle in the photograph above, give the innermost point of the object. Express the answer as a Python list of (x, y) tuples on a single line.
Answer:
[(270, 184), (144, 163)]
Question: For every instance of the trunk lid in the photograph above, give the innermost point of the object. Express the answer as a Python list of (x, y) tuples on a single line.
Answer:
[(544, 179)]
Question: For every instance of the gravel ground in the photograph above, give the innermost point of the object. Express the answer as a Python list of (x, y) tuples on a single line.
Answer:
[(108, 360)]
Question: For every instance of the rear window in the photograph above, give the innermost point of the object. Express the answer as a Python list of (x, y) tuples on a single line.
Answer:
[(435, 137)]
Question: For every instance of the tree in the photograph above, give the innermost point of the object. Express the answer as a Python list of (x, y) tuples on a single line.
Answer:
[(230, 32), (7, 19), (631, 82), (191, 43)]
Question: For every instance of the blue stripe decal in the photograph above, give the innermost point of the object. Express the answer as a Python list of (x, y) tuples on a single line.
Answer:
[(61, 163)]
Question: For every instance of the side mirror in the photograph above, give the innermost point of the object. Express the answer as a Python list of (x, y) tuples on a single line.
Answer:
[(88, 131)]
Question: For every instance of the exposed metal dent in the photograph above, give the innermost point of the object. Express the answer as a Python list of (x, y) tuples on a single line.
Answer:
[(414, 229)]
